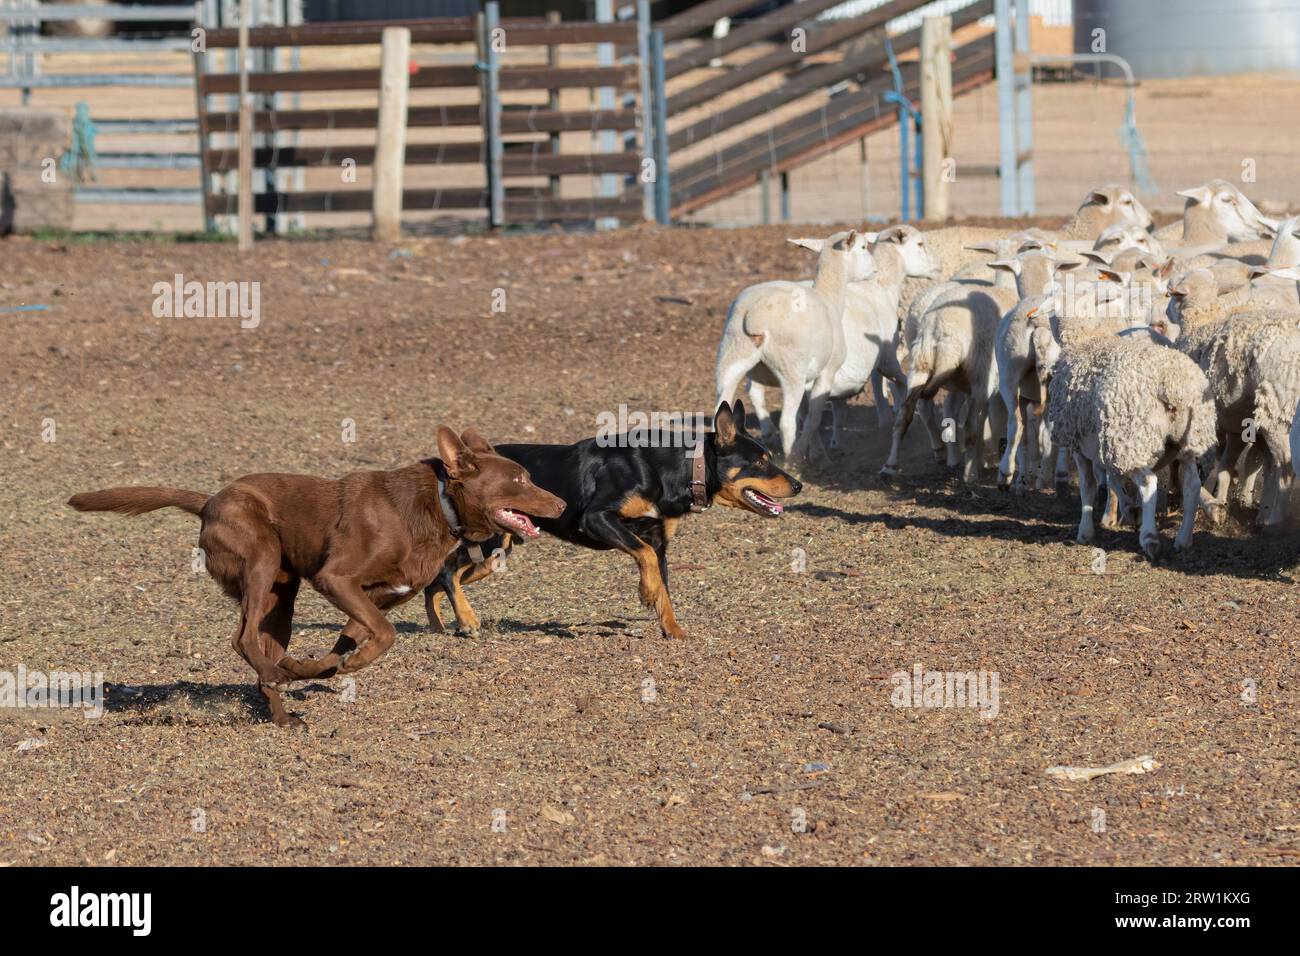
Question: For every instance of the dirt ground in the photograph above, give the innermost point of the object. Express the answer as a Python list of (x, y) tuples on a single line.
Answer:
[(570, 723)]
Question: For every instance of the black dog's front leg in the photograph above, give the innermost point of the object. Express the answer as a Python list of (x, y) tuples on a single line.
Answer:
[(608, 528)]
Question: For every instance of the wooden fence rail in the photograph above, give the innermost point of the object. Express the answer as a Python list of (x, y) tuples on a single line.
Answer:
[(854, 111), (523, 155), (839, 73)]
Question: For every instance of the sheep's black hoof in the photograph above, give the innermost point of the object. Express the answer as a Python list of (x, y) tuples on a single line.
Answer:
[(1062, 488), (1151, 548)]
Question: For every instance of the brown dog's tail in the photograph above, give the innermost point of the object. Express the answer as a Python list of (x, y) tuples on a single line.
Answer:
[(136, 501)]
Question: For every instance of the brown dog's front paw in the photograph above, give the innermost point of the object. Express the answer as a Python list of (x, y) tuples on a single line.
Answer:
[(291, 722), (298, 668)]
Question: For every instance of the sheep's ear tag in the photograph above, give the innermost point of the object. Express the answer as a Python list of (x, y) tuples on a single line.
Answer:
[(1031, 313), (1110, 276)]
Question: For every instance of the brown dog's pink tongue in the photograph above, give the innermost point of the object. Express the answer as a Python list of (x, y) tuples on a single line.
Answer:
[(524, 522)]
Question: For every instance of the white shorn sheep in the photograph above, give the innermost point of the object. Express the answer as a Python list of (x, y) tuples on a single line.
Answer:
[(953, 349), (1253, 363), (871, 322), (792, 335), (1126, 408)]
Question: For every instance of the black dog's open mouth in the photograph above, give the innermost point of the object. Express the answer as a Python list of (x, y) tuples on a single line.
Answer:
[(517, 522), (761, 503)]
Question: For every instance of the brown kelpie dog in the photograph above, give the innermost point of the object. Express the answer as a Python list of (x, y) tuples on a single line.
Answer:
[(629, 497), (367, 542)]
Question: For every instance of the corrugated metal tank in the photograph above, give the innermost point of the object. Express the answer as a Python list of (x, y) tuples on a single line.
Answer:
[(1194, 37)]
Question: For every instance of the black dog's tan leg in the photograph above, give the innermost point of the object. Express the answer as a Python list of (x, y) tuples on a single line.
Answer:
[(433, 596), (654, 591), (609, 528), (467, 622)]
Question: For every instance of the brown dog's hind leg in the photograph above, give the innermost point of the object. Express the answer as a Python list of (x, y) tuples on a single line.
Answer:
[(275, 631), (257, 602)]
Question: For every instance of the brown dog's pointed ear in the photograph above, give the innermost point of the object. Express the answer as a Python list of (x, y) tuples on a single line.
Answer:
[(738, 416), (476, 442), (456, 458), (724, 425)]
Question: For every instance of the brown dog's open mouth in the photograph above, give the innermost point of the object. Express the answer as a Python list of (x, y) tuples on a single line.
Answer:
[(517, 522), (762, 503)]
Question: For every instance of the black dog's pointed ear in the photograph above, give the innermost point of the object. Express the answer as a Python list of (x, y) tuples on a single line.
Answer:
[(476, 442), (456, 458), (738, 416), (724, 424)]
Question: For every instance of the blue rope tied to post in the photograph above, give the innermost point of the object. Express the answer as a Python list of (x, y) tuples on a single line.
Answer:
[(79, 160), (1137, 149)]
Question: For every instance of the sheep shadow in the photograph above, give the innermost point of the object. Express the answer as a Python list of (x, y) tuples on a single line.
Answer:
[(1259, 557), (1027, 517)]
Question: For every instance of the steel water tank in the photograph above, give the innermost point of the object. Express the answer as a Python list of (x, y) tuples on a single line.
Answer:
[(1193, 37)]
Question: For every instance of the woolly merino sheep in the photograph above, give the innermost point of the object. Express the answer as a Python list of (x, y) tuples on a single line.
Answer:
[(1126, 408), (1252, 360)]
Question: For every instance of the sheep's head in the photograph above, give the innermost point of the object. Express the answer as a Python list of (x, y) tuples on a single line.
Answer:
[(1286, 245), (851, 247), (1112, 205), (1194, 289), (1161, 325), (1220, 210), (1123, 236), (1010, 246), (909, 242), (1036, 271)]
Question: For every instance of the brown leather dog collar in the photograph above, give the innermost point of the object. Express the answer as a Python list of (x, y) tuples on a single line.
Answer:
[(699, 486)]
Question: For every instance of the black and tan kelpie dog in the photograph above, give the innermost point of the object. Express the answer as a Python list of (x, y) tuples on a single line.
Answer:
[(630, 499)]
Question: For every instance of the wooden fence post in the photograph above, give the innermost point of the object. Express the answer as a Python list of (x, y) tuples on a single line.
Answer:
[(936, 114), (643, 26), (489, 21), (663, 191), (245, 133), (390, 142), (553, 99)]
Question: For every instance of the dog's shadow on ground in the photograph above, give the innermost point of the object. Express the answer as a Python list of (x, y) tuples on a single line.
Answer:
[(189, 701), (611, 628)]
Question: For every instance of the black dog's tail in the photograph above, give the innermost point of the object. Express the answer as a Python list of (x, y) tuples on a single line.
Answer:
[(137, 501)]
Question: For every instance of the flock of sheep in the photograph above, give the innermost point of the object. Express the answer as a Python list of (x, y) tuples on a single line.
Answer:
[(1130, 353)]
